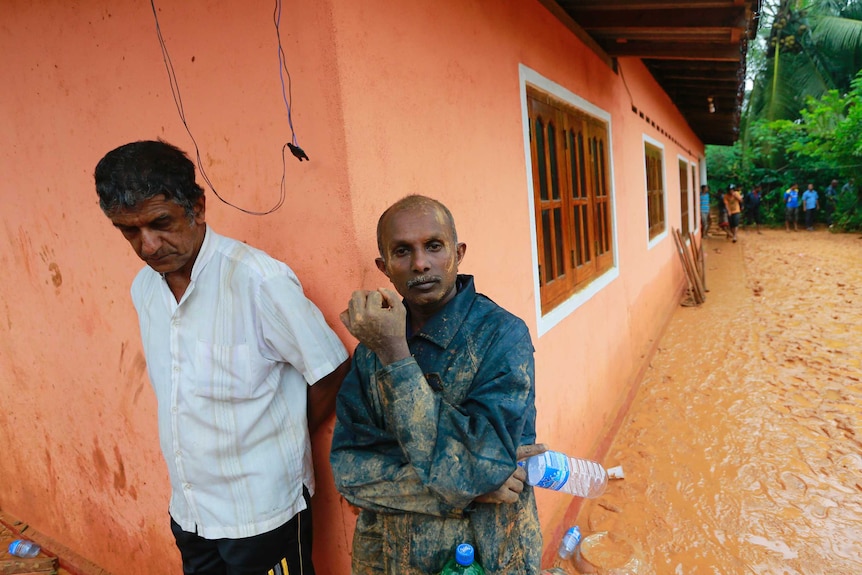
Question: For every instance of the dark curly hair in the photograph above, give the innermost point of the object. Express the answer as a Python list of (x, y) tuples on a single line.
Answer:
[(138, 171)]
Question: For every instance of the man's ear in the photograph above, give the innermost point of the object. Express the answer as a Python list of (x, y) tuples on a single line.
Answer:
[(460, 250), (381, 265), (199, 209)]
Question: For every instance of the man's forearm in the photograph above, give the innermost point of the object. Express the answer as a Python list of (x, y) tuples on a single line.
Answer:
[(321, 396)]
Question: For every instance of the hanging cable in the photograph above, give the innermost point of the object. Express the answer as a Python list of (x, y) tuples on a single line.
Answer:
[(625, 84), (178, 101), (298, 152)]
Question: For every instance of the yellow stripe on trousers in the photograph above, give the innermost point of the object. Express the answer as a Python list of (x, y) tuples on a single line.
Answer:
[(281, 569)]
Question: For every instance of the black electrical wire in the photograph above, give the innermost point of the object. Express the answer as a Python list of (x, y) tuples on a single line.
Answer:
[(178, 100)]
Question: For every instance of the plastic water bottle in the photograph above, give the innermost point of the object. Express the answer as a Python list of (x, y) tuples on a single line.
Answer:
[(463, 563), (570, 542), (558, 471), (24, 548)]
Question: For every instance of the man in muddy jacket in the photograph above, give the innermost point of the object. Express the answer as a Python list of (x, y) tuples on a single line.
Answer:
[(436, 410)]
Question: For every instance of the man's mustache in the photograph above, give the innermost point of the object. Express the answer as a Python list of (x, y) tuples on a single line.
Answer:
[(422, 279)]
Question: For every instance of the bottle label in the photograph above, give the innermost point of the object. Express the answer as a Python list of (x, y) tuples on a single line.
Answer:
[(556, 470)]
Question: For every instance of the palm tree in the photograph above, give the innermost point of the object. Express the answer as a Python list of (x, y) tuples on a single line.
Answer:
[(812, 46), (840, 37)]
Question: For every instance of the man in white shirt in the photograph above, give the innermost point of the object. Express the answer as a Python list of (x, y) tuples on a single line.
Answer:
[(242, 363)]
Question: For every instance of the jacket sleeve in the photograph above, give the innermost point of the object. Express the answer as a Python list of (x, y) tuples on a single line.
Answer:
[(368, 465), (452, 452)]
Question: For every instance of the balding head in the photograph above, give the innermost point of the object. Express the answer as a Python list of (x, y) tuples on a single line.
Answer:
[(409, 203)]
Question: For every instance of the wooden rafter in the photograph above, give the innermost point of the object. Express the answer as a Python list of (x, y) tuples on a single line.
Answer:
[(694, 48)]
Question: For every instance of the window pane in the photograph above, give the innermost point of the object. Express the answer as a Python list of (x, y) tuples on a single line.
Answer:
[(578, 229), (683, 197), (552, 156), (600, 228), (548, 264), (558, 236), (582, 166), (541, 159), (602, 190), (594, 165), (573, 161), (585, 238)]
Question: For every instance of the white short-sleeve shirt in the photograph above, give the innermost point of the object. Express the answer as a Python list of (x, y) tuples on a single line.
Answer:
[(230, 364)]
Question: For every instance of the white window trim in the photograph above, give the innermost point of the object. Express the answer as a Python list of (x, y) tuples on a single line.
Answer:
[(546, 322), (651, 243), (688, 178)]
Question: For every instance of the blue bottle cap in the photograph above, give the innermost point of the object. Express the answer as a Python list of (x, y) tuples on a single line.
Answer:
[(464, 554)]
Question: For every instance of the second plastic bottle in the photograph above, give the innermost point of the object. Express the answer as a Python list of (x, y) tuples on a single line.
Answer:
[(559, 472), (24, 548), (463, 563)]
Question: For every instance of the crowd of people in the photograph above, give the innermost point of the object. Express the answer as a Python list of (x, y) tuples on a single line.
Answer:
[(736, 209)]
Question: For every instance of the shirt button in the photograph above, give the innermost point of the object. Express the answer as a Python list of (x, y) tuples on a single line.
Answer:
[(178, 452), (176, 369), (174, 409), (187, 486)]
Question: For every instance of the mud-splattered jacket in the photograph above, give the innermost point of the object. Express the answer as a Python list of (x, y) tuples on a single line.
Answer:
[(418, 440)]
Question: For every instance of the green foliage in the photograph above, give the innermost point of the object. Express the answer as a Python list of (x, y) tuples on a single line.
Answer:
[(804, 50), (802, 120), (821, 145)]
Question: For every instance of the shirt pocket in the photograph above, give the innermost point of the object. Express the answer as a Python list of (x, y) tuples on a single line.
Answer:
[(223, 371)]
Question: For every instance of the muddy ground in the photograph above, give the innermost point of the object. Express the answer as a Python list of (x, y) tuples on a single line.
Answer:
[(742, 451)]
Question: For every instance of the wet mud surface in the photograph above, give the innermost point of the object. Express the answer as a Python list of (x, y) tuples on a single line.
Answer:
[(742, 450)]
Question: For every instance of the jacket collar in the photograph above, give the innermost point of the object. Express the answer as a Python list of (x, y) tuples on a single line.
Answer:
[(442, 326)]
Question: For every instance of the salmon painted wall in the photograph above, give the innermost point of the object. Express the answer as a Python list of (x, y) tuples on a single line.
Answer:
[(81, 461), (390, 98), (432, 105)]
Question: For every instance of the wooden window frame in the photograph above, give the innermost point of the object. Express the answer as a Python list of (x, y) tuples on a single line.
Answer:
[(656, 201), (684, 196), (571, 175)]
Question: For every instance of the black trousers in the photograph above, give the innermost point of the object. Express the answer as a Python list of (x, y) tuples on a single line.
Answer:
[(285, 550)]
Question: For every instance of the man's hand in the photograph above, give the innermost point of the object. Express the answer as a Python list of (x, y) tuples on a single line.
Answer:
[(528, 451), (378, 319), (514, 485)]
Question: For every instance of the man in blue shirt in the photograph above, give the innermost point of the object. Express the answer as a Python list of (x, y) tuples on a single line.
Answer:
[(810, 203), (791, 205), (704, 210), (437, 409)]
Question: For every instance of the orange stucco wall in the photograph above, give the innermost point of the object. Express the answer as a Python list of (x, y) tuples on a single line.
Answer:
[(389, 98)]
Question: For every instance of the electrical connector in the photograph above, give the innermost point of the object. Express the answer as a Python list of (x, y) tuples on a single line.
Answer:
[(298, 152)]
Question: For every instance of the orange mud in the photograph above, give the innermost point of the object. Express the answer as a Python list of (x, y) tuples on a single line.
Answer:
[(742, 450)]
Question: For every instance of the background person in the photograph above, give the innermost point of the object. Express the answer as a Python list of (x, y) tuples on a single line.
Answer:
[(733, 203), (704, 210), (791, 207), (232, 346), (437, 408), (752, 207), (810, 202)]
